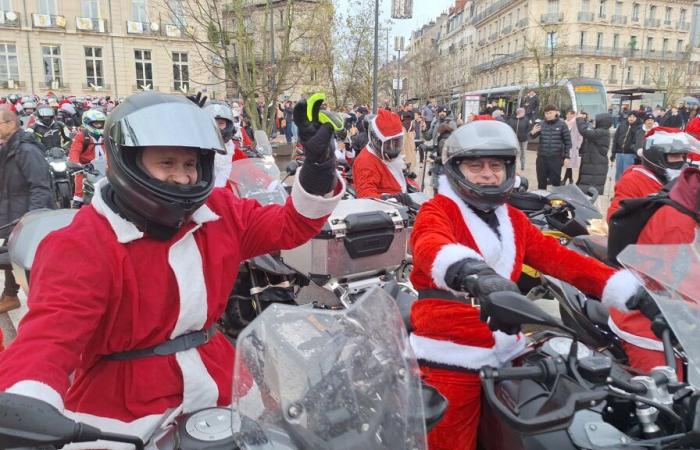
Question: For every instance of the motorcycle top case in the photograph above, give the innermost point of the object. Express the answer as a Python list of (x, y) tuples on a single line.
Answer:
[(361, 237)]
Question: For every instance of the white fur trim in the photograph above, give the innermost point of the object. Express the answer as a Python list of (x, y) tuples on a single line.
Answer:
[(470, 357), (639, 341), (314, 206), (647, 173), (199, 388), (143, 427), (127, 231), (498, 253), (619, 288), (39, 391), (448, 255)]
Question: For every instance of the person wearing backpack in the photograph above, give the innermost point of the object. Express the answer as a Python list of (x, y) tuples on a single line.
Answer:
[(675, 221), (663, 154), (87, 146)]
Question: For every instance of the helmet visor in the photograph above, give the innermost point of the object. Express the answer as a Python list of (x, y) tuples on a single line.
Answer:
[(669, 143), (392, 147), (180, 125)]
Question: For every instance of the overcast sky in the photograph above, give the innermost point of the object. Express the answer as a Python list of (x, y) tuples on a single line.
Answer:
[(423, 12)]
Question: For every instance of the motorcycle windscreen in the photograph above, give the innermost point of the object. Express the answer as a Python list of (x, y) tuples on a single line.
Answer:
[(585, 210), (671, 274), (258, 179), (321, 379)]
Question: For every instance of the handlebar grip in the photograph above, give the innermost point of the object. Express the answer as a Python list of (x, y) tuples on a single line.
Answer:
[(519, 373)]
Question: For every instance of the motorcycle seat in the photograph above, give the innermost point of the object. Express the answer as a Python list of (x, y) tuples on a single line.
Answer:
[(592, 245), (597, 312)]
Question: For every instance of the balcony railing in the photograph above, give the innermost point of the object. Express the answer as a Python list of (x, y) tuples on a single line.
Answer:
[(55, 84), (493, 37), (91, 24), (665, 55), (481, 43), (629, 81), (152, 28), (507, 30), (653, 23), (9, 19), (522, 23), (619, 20), (683, 26), (612, 81), (48, 21), (552, 18), (177, 31), (635, 18), (585, 16), (11, 84), (504, 59), (488, 12), (96, 88), (667, 23), (646, 80)]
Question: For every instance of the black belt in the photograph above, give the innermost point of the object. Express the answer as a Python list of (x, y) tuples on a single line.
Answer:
[(437, 365), (169, 347), (447, 295)]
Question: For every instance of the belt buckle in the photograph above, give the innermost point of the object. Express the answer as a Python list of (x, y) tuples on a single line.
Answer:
[(207, 335), (475, 302)]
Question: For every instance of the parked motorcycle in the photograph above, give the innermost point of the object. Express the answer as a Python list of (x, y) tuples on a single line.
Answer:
[(304, 378), (61, 181), (93, 172), (565, 394)]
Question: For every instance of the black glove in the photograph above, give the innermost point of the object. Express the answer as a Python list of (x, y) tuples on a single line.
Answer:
[(198, 99), (612, 157), (642, 302), (318, 173), (401, 197), (477, 278), (493, 322)]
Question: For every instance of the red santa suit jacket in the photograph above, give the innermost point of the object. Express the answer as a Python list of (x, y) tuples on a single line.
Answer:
[(636, 182), (99, 286), (373, 177), (666, 226), (76, 153), (447, 231)]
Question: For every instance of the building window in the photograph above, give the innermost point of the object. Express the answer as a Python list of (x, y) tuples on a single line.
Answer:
[(596, 71), (553, 6), (582, 39), (580, 70), (91, 8), (613, 72), (9, 69), (633, 43), (599, 41), (646, 78), (679, 46), (93, 66), (602, 7), (585, 5), (628, 78), (618, 8), (47, 7), (650, 44), (138, 11), (5, 5), (551, 42), (181, 71), (52, 63), (664, 47), (616, 41), (652, 12), (635, 12), (682, 15), (144, 68), (667, 17), (177, 12)]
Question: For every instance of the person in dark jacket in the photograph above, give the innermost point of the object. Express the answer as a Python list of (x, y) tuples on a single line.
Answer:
[(594, 151), (531, 103), (522, 125), (555, 143), (25, 185), (360, 140), (627, 140), (673, 118)]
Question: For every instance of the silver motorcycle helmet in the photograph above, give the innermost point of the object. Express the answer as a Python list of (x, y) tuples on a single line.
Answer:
[(222, 111), (481, 139), (152, 119)]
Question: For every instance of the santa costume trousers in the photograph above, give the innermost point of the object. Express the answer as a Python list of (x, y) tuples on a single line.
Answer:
[(457, 429)]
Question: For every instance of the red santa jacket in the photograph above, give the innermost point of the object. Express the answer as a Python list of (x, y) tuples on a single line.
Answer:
[(447, 231), (666, 226), (372, 177), (79, 151), (100, 286), (636, 182)]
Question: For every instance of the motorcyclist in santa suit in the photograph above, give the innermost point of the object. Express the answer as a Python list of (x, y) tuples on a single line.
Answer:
[(151, 262), (468, 243), (223, 116)]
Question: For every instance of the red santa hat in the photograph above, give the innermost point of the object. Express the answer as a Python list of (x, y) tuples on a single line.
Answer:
[(387, 125), (662, 130), (693, 128)]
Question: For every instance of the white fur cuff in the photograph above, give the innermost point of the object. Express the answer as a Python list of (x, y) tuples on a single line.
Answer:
[(448, 255), (39, 391), (619, 288), (314, 206)]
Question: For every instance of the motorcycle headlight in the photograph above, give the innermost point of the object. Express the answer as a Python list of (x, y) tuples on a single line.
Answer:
[(58, 166)]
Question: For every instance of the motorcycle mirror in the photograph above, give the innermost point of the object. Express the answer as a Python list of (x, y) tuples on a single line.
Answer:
[(26, 421), (292, 167), (524, 184), (434, 405), (511, 308)]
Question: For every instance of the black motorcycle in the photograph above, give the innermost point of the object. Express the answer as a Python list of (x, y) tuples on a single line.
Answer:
[(61, 179), (565, 394)]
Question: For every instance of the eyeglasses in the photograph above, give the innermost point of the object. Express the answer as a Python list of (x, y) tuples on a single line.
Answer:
[(478, 166)]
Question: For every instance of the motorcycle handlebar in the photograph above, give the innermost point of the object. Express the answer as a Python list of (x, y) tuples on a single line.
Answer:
[(519, 373)]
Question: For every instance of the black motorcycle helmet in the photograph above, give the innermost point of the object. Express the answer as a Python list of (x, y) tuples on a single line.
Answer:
[(658, 146), (222, 111), (481, 139), (152, 119), (46, 115)]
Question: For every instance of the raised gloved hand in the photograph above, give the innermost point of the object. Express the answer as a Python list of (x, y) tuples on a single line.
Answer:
[(318, 173), (198, 99), (401, 197)]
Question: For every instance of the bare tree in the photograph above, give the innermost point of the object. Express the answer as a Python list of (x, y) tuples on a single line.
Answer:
[(673, 76)]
